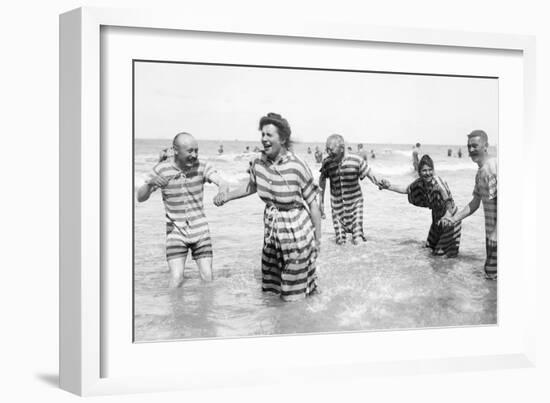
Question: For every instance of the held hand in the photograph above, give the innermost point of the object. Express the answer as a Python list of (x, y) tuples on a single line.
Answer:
[(157, 181), (317, 246), (384, 184), (220, 199)]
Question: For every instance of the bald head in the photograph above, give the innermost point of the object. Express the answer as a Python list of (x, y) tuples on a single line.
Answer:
[(183, 138), (335, 146), (186, 149)]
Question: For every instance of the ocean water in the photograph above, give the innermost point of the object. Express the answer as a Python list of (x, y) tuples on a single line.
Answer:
[(389, 282)]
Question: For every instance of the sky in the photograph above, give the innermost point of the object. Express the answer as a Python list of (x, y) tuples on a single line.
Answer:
[(226, 102)]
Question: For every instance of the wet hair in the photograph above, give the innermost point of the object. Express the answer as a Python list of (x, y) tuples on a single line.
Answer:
[(425, 160), (283, 128), (481, 134), (418, 144)]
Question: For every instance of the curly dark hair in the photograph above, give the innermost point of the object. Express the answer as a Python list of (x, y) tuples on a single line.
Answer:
[(283, 128)]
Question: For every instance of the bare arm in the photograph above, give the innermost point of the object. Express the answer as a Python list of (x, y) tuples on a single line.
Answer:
[(372, 178), (397, 188), (322, 187), (237, 193), (468, 210), (315, 213), (145, 190)]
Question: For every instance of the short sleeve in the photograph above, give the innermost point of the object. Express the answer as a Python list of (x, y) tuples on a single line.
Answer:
[(417, 194), (210, 174)]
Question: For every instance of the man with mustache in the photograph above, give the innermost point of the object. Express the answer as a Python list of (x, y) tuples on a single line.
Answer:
[(181, 177), (485, 191)]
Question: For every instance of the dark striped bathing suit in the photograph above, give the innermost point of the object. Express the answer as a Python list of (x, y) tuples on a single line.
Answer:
[(486, 189), (288, 256), (346, 197), (436, 196), (186, 225)]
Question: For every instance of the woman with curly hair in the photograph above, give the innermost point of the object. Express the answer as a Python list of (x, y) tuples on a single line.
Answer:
[(430, 191), (292, 220)]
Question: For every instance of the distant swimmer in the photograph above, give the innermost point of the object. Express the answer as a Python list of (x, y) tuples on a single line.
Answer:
[(362, 153), (449, 153), (459, 153), (220, 149), (181, 180), (318, 155), (344, 171), (309, 150), (246, 149), (416, 155), (372, 154)]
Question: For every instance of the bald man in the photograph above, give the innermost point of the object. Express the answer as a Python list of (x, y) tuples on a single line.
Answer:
[(344, 170), (181, 177)]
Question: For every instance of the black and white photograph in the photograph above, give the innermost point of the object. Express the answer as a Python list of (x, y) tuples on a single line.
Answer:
[(273, 201)]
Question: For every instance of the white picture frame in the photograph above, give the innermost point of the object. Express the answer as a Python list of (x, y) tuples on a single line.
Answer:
[(82, 306)]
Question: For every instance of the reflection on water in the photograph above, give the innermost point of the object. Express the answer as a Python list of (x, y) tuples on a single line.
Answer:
[(390, 282)]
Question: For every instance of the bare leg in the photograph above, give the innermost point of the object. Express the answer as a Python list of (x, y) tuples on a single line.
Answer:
[(177, 266), (205, 268)]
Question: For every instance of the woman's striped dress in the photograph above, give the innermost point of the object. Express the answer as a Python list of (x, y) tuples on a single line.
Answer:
[(486, 189), (436, 196), (288, 256), (346, 197)]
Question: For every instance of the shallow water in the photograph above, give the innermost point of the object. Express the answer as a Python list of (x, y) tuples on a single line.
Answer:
[(389, 282)]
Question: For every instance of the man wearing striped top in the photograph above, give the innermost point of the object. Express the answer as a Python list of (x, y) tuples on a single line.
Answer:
[(344, 170), (181, 179), (485, 191)]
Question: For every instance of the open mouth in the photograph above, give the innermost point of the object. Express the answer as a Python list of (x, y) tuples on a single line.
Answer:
[(267, 147)]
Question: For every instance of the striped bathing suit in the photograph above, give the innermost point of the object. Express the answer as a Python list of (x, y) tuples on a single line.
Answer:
[(288, 256), (346, 197), (486, 189), (436, 196), (186, 225)]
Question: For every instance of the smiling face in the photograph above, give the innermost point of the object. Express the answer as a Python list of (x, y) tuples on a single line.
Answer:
[(477, 149), (426, 173), (186, 150), (271, 141), (335, 149)]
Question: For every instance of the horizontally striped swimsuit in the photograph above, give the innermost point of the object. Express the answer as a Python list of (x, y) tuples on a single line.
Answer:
[(486, 189), (186, 225), (346, 197), (288, 255), (436, 196)]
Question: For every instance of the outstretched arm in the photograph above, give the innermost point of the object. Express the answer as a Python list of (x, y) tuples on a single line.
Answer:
[(372, 178), (385, 184), (242, 191), (468, 210)]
